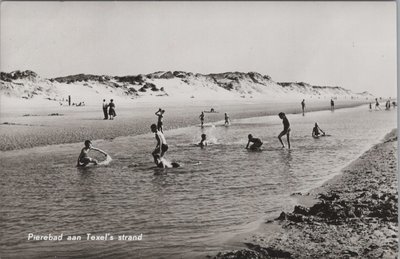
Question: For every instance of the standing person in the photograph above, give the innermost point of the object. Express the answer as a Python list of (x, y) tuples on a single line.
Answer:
[(303, 105), (332, 105), (161, 146), (377, 104), (111, 110), (202, 118), (105, 106), (160, 115), (370, 106), (286, 129), (227, 121), (257, 143)]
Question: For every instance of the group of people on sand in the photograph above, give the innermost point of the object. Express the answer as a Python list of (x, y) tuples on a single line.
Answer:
[(109, 109)]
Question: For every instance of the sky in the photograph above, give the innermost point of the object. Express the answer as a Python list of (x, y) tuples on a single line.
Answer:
[(347, 44)]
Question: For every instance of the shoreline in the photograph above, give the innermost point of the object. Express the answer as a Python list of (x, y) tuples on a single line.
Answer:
[(75, 124), (354, 214)]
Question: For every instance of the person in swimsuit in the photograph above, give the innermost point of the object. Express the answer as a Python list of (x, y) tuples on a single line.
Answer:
[(164, 163), (315, 131), (203, 141), (160, 114), (161, 146), (286, 129), (227, 121), (332, 105), (257, 143), (84, 159), (202, 118)]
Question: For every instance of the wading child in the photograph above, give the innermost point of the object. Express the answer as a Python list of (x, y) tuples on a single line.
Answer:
[(286, 129), (161, 146), (227, 120), (202, 118), (315, 132), (256, 143), (84, 159)]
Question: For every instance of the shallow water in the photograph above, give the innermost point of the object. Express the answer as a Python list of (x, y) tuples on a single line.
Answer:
[(183, 212), (78, 123)]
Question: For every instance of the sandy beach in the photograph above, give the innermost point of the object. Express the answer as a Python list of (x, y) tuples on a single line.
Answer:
[(204, 129), (26, 126), (353, 215)]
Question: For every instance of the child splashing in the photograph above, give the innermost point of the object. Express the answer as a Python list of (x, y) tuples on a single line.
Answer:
[(84, 159), (257, 143)]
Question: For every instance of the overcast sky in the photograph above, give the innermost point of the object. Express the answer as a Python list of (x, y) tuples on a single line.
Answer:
[(348, 44)]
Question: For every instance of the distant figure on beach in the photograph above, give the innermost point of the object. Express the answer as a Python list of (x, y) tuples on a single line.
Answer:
[(84, 159), (111, 109), (286, 129), (388, 105), (227, 121), (315, 132), (377, 104), (370, 106), (212, 110), (202, 118), (257, 143), (332, 105), (203, 141), (160, 114), (303, 105), (161, 146)]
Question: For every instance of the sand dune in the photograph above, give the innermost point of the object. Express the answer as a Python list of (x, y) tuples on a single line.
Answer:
[(166, 86)]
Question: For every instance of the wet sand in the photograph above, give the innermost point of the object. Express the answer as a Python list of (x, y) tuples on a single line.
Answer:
[(353, 215), (39, 126)]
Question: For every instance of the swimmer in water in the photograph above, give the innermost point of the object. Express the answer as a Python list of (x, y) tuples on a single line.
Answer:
[(84, 159), (203, 141), (164, 163), (315, 131), (286, 129), (256, 143)]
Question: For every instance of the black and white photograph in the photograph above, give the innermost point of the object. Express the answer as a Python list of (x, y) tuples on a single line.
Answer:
[(205, 129)]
